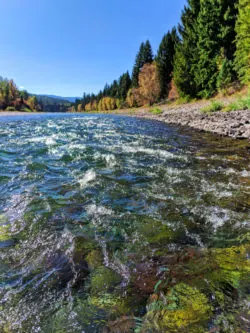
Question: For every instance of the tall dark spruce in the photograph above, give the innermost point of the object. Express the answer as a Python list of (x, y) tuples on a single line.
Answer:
[(144, 56), (124, 85), (227, 73), (186, 50), (165, 60), (208, 47)]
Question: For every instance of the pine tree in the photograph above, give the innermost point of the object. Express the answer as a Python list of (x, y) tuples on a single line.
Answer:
[(144, 56), (229, 12), (124, 85), (208, 47), (227, 73), (147, 57), (113, 91), (137, 66), (242, 55), (186, 51), (165, 60)]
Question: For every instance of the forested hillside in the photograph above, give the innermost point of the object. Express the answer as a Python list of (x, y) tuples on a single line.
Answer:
[(208, 53), (53, 104), (13, 99)]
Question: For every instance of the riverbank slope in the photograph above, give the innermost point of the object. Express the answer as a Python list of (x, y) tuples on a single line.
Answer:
[(235, 124)]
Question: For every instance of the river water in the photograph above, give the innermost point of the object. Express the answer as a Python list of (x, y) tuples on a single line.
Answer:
[(117, 224)]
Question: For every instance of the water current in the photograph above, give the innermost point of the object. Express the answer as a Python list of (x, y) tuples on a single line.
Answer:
[(118, 224)]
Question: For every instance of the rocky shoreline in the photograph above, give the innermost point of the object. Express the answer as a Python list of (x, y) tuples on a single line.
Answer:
[(235, 124)]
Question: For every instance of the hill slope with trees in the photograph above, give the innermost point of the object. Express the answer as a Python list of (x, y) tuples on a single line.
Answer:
[(13, 99), (208, 53)]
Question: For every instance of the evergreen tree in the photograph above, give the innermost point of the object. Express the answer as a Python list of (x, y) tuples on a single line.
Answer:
[(186, 51), (229, 12), (137, 66), (144, 56), (227, 35), (242, 55), (124, 85), (165, 60), (208, 47), (23, 95), (147, 57), (113, 91)]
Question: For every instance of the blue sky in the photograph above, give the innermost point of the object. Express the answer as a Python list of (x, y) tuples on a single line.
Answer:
[(69, 46)]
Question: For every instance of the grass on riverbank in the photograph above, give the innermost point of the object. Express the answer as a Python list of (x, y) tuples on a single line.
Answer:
[(241, 103), (156, 111)]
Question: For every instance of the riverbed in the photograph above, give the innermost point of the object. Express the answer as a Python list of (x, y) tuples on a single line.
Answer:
[(118, 224)]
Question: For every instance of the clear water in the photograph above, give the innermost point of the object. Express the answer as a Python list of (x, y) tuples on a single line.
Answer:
[(118, 224)]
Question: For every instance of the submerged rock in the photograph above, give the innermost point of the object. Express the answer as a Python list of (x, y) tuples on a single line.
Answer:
[(182, 309), (103, 279)]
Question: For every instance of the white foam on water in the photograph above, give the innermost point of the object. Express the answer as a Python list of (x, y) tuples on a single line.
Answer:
[(94, 210), (15, 210), (153, 152), (215, 215), (76, 146), (51, 124), (245, 174), (230, 171), (89, 176), (110, 160), (37, 139), (57, 152), (50, 141)]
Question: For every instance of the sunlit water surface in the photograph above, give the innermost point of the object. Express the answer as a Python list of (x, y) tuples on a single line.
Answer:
[(116, 224)]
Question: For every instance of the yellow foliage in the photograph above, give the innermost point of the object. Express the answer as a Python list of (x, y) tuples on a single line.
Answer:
[(32, 102), (131, 98), (149, 89), (149, 84), (79, 107), (88, 107), (107, 103)]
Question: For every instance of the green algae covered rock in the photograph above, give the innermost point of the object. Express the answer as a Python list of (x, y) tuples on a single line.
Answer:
[(155, 232), (103, 280), (75, 318), (114, 305), (94, 259), (183, 309), (4, 228)]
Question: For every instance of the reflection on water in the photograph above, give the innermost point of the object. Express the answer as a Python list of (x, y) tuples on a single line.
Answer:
[(114, 224)]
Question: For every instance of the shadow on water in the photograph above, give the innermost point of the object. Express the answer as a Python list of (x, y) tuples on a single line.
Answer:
[(114, 224)]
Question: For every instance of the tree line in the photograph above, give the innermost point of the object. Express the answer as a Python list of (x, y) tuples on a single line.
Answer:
[(208, 52), (12, 99)]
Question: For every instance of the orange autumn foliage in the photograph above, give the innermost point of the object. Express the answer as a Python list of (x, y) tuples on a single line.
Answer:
[(173, 92), (148, 91)]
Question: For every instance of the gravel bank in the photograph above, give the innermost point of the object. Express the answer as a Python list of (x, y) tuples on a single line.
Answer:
[(235, 124)]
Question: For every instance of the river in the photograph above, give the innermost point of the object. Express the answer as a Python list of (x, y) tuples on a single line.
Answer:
[(118, 224)]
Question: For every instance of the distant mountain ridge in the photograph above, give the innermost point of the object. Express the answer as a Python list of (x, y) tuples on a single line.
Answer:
[(52, 103), (67, 99)]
